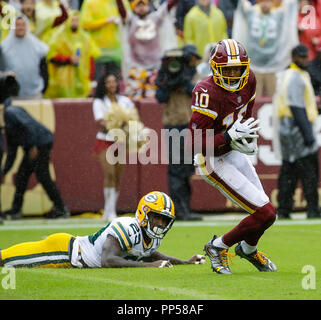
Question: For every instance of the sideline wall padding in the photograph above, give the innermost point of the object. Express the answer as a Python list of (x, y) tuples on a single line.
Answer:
[(79, 177)]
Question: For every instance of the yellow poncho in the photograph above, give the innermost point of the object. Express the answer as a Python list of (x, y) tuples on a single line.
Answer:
[(8, 13), (94, 14), (201, 29), (69, 80), (45, 16)]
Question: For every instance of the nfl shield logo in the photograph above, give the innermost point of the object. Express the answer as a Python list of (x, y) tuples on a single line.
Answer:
[(239, 99)]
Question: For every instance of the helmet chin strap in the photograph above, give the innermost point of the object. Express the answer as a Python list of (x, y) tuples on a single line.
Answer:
[(232, 87), (156, 232)]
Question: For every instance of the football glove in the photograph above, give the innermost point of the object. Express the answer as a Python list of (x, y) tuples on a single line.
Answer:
[(249, 148), (246, 129)]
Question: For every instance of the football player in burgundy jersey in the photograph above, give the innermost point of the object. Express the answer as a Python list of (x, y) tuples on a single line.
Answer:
[(224, 102)]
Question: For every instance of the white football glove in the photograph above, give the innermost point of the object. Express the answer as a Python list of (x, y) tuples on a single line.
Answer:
[(246, 129), (249, 148)]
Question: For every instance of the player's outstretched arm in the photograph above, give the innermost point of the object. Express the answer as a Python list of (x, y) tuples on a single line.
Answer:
[(111, 257), (196, 259)]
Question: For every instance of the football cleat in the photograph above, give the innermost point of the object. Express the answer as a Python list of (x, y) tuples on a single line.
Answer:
[(257, 258), (218, 257)]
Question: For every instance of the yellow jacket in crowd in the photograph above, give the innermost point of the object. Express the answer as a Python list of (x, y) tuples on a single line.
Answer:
[(201, 29), (66, 79), (7, 14), (98, 17), (46, 13)]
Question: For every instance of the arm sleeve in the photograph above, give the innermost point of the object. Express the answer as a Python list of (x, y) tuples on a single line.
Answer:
[(296, 102), (301, 119), (121, 9), (120, 232), (11, 155), (296, 90), (203, 122), (171, 4), (63, 17), (22, 120), (93, 25), (98, 109), (60, 60), (44, 73)]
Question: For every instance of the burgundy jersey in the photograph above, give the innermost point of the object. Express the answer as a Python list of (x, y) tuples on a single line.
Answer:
[(216, 108)]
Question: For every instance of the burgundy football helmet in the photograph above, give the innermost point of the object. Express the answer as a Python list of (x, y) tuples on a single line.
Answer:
[(230, 53)]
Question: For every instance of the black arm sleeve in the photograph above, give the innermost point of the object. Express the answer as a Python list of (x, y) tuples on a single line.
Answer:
[(11, 156), (44, 73), (304, 124)]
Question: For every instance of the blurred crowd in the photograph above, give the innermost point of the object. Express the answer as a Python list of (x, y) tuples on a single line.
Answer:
[(61, 48)]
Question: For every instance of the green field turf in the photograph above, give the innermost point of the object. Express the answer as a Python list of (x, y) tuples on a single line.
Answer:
[(291, 245)]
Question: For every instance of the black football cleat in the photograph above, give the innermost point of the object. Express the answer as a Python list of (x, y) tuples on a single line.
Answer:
[(257, 258)]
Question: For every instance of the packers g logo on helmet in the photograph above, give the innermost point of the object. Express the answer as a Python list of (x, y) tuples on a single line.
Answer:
[(155, 203)]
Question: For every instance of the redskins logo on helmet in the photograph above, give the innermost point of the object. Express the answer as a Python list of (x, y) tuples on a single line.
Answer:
[(227, 54), (153, 204)]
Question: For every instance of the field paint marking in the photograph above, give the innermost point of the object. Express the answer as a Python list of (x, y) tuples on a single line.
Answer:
[(85, 225), (197, 295)]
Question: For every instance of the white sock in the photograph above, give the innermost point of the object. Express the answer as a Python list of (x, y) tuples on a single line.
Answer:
[(110, 204), (218, 242), (113, 201), (247, 249)]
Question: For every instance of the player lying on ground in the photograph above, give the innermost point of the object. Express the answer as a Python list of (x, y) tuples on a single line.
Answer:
[(224, 102), (122, 243)]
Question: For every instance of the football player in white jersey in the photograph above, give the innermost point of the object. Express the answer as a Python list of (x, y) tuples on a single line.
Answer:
[(125, 242)]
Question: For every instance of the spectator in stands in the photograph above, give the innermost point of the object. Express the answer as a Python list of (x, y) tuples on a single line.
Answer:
[(16, 4), (99, 18), (7, 13), (174, 91), (203, 24), (70, 59), (49, 14), (183, 7), (25, 55), (228, 7), (296, 113), (269, 33), (28, 8), (143, 45), (107, 95), (21, 129), (315, 72), (309, 25)]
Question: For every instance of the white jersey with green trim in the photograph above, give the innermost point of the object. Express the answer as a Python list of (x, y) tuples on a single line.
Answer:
[(129, 235)]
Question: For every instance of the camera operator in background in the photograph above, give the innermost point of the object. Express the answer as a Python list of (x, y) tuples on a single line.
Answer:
[(23, 130), (174, 90)]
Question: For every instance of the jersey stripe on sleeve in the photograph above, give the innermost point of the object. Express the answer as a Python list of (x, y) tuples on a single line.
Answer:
[(122, 235)]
